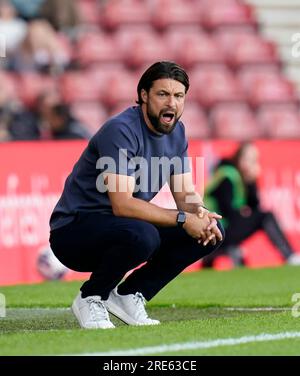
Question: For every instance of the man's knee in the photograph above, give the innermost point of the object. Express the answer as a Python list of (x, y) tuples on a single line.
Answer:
[(145, 240)]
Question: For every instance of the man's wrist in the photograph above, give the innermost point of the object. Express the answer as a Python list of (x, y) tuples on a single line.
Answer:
[(181, 218)]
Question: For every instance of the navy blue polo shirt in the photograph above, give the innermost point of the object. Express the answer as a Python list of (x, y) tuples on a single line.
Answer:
[(123, 145)]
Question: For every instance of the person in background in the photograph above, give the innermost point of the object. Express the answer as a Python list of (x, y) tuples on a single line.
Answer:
[(232, 192), (13, 28), (41, 50), (29, 9), (63, 126), (63, 15)]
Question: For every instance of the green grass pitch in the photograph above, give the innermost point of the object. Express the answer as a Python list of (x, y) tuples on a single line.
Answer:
[(202, 313)]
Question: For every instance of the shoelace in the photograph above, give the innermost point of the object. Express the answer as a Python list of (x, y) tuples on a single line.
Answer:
[(97, 308), (140, 302)]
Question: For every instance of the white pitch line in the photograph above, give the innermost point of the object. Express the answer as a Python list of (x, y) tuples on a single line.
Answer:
[(263, 337), (39, 309), (225, 308), (258, 309)]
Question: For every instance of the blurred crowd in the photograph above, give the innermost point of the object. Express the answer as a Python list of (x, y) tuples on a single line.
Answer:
[(37, 34), (71, 64)]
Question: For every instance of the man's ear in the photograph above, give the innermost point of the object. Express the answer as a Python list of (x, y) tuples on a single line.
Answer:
[(144, 95)]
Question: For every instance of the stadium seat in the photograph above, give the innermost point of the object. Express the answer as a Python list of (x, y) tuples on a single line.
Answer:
[(102, 73), (140, 46), (96, 48), (89, 11), (272, 90), (251, 75), (213, 84), (120, 88), (77, 86), (32, 84), (122, 106), (9, 84), (279, 122), (91, 114), (220, 13), (167, 13), (234, 121), (195, 121), (119, 12), (191, 46), (244, 48)]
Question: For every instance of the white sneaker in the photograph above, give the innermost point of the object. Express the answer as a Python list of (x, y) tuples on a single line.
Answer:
[(129, 308), (294, 259), (91, 312)]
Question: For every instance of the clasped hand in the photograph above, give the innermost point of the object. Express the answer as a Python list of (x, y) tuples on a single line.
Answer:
[(211, 233)]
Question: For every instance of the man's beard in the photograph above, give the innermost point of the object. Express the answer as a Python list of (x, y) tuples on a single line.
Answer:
[(158, 125)]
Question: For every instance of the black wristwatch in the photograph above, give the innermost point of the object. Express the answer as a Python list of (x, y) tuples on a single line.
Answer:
[(181, 218)]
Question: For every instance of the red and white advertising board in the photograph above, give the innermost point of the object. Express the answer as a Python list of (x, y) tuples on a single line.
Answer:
[(32, 177)]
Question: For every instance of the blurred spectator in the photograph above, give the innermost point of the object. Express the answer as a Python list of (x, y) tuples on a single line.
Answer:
[(16, 123), (41, 50), (45, 101), (232, 192), (14, 29), (62, 15), (28, 9), (62, 125), (22, 126), (5, 115)]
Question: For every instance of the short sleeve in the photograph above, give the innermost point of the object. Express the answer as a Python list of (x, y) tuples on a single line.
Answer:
[(116, 145), (182, 166)]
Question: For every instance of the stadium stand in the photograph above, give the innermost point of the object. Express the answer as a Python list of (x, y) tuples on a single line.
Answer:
[(234, 121), (235, 53)]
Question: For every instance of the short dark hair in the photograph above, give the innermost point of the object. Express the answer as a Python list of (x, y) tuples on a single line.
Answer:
[(159, 70)]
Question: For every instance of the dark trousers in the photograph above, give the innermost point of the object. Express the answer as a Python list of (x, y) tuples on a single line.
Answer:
[(241, 228), (110, 246)]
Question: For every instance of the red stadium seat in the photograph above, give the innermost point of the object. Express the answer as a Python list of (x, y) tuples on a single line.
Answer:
[(272, 90), (243, 48), (191, 46), (122, 106), (119, 12), (96, 47), (195, 121), (9, 85), (140, 46), (280, 122), (31, 85), (166, 13), (91, 114), (78, 86), (121, 88), (212, 85), (89, 11), (218, 13), (234, 121), (251, 75)]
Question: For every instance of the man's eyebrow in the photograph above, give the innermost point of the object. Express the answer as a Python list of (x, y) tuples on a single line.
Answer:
[(167, 92)]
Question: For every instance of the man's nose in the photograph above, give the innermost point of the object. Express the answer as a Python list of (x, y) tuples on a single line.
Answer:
[(171, 101)]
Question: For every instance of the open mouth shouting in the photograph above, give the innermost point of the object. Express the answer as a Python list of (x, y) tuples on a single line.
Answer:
[(167, 117)]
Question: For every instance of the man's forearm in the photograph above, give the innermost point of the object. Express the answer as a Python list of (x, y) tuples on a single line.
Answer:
[(191, 203), (146, 211)]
